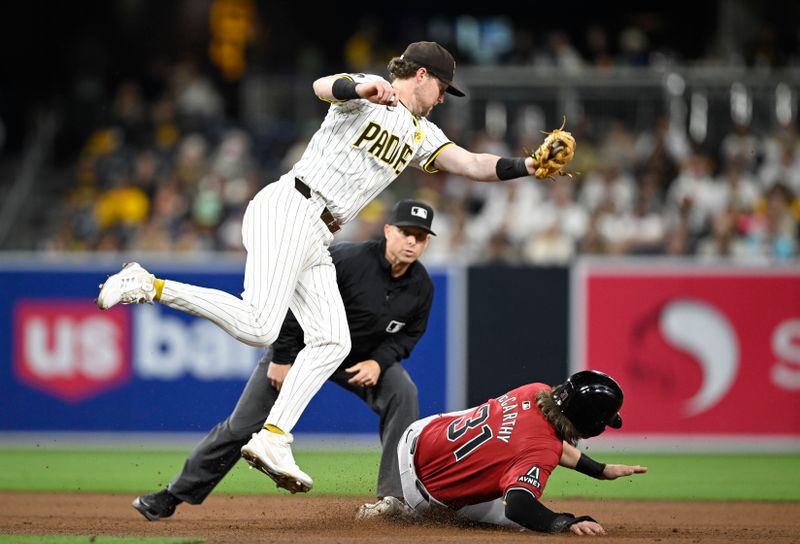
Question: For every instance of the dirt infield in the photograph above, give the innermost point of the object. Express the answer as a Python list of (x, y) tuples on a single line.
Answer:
[(297, 519)]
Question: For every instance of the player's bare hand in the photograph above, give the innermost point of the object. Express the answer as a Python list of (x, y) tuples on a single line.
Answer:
[(612, 472), (276, 374), (378, 92), (366, 373), (587, 527)]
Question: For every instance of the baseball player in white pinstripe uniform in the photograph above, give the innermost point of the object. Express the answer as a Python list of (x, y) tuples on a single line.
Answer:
[(373, 131)]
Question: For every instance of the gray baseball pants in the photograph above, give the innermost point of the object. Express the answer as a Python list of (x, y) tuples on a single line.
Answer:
[(394, 399)]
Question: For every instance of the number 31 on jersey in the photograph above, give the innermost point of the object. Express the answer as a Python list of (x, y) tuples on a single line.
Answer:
[(458, 428)]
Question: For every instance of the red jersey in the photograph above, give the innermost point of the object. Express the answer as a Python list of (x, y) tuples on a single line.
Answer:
[(476, 456)]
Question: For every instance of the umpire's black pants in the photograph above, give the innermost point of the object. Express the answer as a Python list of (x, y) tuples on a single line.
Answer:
[(394, 399)]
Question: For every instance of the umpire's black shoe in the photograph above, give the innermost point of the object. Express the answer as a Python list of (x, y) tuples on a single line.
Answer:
[(156, 506)]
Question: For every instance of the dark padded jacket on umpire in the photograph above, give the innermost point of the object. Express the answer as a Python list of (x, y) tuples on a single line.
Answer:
[(386, 315)]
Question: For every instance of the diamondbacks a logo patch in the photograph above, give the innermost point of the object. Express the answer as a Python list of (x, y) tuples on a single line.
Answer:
[(531, 477)]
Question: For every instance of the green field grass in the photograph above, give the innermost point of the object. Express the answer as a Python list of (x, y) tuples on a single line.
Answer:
[(673, 476)]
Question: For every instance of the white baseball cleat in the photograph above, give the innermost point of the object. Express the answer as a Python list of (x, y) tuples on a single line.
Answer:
[(271, 453), (131, 285), (387, 507)]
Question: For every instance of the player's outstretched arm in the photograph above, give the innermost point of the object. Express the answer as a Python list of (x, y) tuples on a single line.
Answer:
[(523, 508), (569, 455), (482, 166), (572, 457), (612, 472)]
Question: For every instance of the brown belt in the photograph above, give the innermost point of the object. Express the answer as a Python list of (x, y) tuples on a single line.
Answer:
[(326, 215)]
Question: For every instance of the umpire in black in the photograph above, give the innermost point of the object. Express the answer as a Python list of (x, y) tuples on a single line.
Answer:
[(387, 296)]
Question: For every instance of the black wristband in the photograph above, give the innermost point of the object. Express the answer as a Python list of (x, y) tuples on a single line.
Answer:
[(344, 89), (590, 467), (561, 523), (508, 168)]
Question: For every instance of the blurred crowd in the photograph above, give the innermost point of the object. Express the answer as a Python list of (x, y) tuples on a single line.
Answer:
[(175, 173), (741, 37), (633, 194), (170, 158)]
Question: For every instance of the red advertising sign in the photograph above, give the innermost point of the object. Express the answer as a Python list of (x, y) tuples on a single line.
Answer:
[(697, 351), (69, 349)]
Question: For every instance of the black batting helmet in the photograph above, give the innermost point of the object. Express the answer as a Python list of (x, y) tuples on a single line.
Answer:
[(590, 400)]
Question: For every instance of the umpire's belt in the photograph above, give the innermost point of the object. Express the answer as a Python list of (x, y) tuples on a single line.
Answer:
[(326, 215)]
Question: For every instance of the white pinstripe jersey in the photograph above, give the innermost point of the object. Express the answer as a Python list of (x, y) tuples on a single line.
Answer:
[(361, 147)]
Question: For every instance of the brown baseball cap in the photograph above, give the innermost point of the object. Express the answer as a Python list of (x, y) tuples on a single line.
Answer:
[(437, 60)]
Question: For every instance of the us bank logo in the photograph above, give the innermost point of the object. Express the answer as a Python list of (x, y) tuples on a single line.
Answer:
[(69, 349), (72, 351)]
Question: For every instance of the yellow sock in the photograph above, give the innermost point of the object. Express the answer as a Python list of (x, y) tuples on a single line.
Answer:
[(159, 287), (273, 429)]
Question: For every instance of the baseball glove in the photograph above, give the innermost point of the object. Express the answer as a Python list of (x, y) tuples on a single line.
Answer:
[(552, 156)]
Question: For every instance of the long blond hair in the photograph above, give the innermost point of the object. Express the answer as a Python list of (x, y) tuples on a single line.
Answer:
[(565, 430)]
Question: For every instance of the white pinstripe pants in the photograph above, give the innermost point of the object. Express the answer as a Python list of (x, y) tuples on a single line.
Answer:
[(288, 266)]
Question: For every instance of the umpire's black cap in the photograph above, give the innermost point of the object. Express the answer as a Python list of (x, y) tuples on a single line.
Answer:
[(437, 60), (412, 213)]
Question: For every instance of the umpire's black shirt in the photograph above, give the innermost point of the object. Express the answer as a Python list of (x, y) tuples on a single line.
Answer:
[(386, 315)]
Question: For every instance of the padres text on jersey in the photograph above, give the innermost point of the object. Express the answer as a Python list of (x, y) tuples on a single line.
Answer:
[(361, 147)]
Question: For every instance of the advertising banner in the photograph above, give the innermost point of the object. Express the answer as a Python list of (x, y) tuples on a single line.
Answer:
[(67, 366), (698, 351)]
